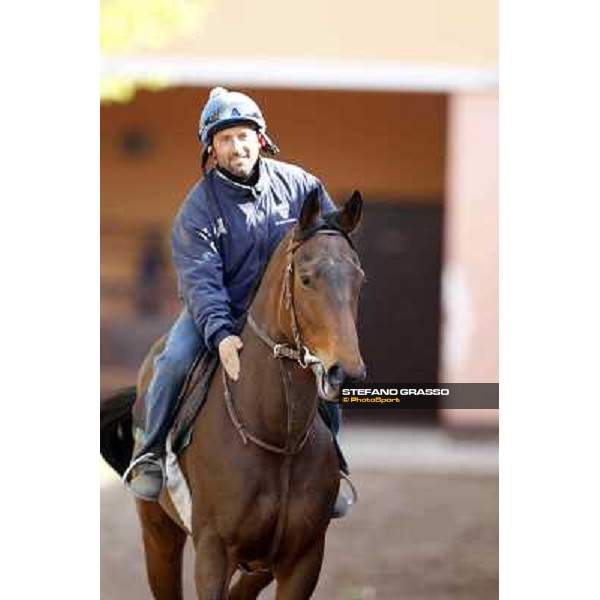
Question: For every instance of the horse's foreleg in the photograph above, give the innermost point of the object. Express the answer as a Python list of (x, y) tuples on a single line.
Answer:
[(163, 547), (248, 587), (213, 570), (297, 577)]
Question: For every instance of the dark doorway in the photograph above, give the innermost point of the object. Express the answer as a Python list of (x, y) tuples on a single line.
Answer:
[(400, 245)]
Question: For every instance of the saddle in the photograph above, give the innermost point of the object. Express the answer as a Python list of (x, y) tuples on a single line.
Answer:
[(189, 402), (192, 398)]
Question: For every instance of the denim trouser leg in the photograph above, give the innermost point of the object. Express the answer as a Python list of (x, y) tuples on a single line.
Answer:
[(333, 408), (182, 346)]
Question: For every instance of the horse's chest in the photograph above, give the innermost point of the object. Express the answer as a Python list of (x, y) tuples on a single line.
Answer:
[(264, 509), (302, 513)]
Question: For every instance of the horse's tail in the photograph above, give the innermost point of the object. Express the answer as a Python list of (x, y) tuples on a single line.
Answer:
[(116, 435)]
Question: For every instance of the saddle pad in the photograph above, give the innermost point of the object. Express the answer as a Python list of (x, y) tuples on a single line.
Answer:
[(177, 487)]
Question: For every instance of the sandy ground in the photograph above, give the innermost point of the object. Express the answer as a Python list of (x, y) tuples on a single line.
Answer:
[(426, 526)]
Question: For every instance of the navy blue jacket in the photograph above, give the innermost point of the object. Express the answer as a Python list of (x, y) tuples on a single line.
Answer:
[(220, 253)]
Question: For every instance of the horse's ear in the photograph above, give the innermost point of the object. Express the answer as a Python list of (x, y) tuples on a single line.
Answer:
[(351, 214), (310, 210)]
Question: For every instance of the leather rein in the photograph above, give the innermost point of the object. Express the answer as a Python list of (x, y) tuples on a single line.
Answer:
[(280, 350)]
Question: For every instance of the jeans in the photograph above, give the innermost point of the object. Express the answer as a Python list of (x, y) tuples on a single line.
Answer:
[(333, 408), (182, 346)]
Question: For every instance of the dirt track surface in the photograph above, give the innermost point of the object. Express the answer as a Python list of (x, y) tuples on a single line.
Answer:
[(415, 535)]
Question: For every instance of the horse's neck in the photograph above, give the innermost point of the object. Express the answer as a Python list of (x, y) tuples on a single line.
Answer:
[(265, 382), (267, 307)]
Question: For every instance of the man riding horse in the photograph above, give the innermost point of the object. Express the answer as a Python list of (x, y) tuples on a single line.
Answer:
[(223, 237)]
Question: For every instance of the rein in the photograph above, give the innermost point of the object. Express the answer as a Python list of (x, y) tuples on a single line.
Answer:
[(287, 449), (301, 355)]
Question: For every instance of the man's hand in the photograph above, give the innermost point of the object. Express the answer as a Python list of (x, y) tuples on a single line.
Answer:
[(228, 351)]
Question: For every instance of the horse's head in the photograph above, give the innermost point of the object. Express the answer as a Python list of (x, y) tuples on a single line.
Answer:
[(323, 282)]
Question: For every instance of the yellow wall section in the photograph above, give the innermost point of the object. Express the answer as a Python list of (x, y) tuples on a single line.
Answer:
[(433, 32)]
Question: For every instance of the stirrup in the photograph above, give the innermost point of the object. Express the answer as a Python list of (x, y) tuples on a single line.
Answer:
[(354, 498), (343, 502), (148, 458)]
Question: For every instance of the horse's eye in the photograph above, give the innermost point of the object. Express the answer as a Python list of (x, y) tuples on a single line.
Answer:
[(305, 280)]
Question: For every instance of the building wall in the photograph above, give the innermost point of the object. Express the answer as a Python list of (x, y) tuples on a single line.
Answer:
[(386, 145), (470, 277), (390, 146)]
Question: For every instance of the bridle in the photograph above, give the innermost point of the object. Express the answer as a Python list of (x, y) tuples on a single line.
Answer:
[(298, 352)]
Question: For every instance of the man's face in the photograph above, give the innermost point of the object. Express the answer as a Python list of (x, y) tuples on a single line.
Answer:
[(236, 149)]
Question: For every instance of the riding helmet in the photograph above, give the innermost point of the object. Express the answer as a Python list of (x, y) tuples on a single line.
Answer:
[(226, 109)]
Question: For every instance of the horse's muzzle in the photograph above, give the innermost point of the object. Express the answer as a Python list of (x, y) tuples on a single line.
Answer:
[(331, 382), (337, 375)]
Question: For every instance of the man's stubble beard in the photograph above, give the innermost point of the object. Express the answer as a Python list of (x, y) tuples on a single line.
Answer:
[(241, 173)]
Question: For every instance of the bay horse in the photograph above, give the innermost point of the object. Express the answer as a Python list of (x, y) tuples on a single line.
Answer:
[(261, 467)]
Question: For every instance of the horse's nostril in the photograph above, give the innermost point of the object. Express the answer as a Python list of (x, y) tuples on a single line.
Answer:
[(362, 373), (335, 375)]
